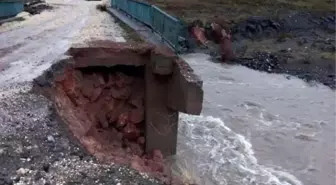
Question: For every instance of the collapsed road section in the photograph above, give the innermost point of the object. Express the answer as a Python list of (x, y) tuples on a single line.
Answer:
[(121, 101)]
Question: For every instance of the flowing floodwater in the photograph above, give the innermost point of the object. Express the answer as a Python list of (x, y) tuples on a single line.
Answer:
[(258, 128)]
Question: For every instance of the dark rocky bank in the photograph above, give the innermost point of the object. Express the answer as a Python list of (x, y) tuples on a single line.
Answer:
[(300, 44)]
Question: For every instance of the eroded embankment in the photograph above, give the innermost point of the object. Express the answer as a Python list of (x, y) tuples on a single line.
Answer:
[(102, 100), (300, 44), (104, 109)]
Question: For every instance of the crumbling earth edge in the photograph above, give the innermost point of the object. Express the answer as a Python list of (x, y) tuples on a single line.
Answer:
[(82, 58), (300, 44), (37, 148)]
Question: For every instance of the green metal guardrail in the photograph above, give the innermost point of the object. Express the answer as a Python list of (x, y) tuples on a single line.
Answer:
[(9, 8), (172, 30)]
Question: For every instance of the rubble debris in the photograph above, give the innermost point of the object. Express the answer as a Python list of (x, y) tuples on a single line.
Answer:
[(216, 34)]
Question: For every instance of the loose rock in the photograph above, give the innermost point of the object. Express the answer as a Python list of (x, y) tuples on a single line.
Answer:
[(51, 139)]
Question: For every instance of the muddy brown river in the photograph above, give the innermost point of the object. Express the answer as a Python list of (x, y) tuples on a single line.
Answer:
[(259, 128)]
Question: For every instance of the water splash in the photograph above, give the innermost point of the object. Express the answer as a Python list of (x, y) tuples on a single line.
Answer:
[(223, 156)]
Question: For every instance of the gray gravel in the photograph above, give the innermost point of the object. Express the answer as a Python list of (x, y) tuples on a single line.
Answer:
[(37, 148)]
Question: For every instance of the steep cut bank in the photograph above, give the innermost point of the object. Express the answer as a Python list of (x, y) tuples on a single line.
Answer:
[(103, 96)]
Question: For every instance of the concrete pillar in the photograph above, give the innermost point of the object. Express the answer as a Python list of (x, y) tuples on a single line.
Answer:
[(171, 87), (161, 121)]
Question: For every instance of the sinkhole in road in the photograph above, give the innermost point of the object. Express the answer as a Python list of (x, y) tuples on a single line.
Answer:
[(104, 109), (121, 101)]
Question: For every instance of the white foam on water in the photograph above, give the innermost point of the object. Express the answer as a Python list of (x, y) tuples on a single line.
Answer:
[(222, 156)]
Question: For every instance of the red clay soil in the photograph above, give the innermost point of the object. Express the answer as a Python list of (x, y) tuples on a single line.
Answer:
[(105, 111), (217, 34), (99, 92)]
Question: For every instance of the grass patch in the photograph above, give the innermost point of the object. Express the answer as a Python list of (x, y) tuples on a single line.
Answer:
[(328, 55)]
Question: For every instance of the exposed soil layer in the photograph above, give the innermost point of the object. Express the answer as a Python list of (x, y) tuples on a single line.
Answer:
[(37, 148), (99, 91), (104, 91), (104, 109)]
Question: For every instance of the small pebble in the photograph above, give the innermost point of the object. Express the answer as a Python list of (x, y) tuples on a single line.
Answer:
[(22, 171), (51, 139), (16, 179)]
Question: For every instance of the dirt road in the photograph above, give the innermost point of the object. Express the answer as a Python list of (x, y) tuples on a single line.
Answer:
[(32, 45)]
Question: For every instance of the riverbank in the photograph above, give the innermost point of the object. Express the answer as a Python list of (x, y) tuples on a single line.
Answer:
[(300, 44), (294, 38), (235, 11)]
